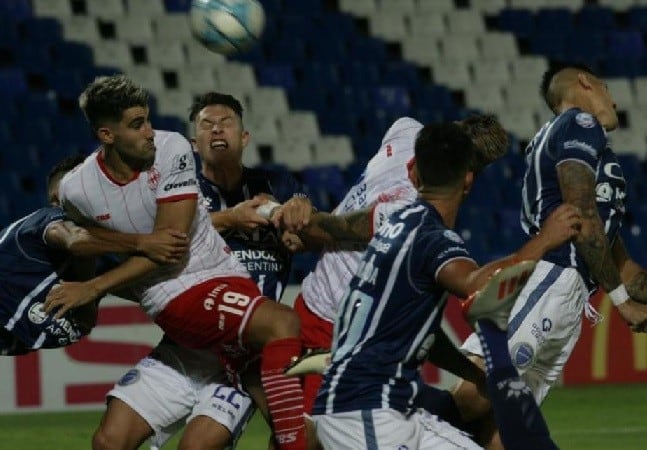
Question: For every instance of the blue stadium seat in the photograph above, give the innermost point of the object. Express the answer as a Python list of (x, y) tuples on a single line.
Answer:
[(326, 186), (366, 49), (15, 9), (281, 75), (8, 31), (595, 18), (520, 22), (72, 55), (623, 66), (324, 74), (285, 51), (392, 100), (554, 20), (360, 74), (36, 104), (12, 82), (41, 30), (401, 73), (33, 57), (548, 43), (309, 96), (328, 49), (630, 165), (626, 44), (299, 7), (589, 46), (638, 18)]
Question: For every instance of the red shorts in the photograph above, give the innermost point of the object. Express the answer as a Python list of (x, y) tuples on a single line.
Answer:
[(213, 315), (316, 333)]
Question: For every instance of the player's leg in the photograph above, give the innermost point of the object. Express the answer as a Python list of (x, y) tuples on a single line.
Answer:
[(121, 428), (150, 400), (218, 420), (274, 330)]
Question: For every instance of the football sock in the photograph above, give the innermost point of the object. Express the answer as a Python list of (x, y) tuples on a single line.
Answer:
[(284, 394), (521, 424)]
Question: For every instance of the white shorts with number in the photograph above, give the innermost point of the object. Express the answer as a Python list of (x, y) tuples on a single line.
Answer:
[(169, 394), (544, 326), (387, 429)]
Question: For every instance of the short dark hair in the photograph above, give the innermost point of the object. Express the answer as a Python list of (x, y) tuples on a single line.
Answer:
[(64, 166), (106, 98), (215, 98), (444, 154), (551, 97)]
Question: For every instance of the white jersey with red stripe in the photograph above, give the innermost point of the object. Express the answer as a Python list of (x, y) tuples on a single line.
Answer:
[(385, 186), (131, 208)]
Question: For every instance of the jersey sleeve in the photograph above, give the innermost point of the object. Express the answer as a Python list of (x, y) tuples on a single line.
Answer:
[(582, 138), (71, 193), (176, 169), (442, 247)]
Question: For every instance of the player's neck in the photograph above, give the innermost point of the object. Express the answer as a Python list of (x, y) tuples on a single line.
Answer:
[(446, 204), (119, 169), (228, 178)]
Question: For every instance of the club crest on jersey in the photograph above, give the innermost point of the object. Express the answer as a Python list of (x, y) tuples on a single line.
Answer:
[(522, 355), (153, 178), (585, 120), (129, 377), (36, 313)]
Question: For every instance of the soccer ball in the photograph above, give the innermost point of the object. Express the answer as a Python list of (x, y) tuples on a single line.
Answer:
[(227, 26)]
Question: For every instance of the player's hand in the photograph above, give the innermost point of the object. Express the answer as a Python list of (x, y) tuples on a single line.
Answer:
[(164, 246), (245, 217), (635, 314), (294, 214), (563, 224), (69, 294), (292, 242)]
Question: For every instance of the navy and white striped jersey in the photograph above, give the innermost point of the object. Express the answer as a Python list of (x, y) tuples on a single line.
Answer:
[(28, 269), (386, 323), (261, 250), (572, 135)]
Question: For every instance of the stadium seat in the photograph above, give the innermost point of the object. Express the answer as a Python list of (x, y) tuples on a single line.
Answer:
[(334, 150), (298, 125), (523, 94), (197, 54), (134, 29), (422, 50), (594, 18), (166, 54), (148, 8), (454, 74), (196, 79), (520, 121), (621, 91), (112, 53), (626, 43), (105, 9), (43, 30), (148, 76), (280, 75), (251, 155), (263, 128), (427, 24), (485, 97), (528, 68), (520, 22), (80, 29), (629, 141), (292, 153), (495, 45), (172, 27), (436, 6), (617, 5), (173, 103), (491, 71), (465, 21), (392, 100), (549, 44), (12, 82), (52, 8), (235, 76), (397, 6), (179, 5), (358, 7), (16, 9), (459, 46), (388, 25), (326, 186), (488, 6)]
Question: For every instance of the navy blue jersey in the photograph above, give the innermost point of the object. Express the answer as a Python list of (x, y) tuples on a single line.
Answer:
[(260, 251), (572, 135), (28, 269), (387, 322)]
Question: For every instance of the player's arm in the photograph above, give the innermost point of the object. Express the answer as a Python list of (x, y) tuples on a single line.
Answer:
[(325, 229), (577, 184), (244, 216), (445, 355), (164, 246), (632, 274), (463, 277)]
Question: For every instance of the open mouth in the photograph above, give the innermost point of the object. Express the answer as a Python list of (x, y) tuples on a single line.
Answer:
[(218, 144)]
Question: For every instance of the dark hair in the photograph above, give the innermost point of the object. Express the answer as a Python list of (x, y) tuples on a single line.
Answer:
[(444, 154), (106, 98), (64, 166), (489, 138), (550, 96), (215, 98)]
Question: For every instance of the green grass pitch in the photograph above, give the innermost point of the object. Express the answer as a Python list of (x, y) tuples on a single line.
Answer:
[(590, 418)]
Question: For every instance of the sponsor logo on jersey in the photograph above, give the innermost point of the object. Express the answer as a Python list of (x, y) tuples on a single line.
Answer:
[(153, 178), (574, 143), (103, 217), (182, 163), (36, 313), (546, 325), (129, 377), (181, 184), (585, 120), (452, 236), (286, 438)]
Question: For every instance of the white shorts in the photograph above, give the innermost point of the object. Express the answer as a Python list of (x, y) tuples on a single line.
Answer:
[(544, 325), (170, 394), (387, 429)]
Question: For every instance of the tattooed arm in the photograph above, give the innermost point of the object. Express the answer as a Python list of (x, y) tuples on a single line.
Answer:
[(326, 229), (577, 184), (633, 276)]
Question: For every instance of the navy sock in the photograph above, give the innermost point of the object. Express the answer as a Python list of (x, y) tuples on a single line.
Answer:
[(521, 424)]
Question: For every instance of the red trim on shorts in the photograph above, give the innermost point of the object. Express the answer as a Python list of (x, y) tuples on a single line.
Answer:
[(177, 198), (102, 166)]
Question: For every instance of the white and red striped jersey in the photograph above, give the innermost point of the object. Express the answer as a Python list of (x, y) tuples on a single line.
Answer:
[(385, 186), (131, 208)]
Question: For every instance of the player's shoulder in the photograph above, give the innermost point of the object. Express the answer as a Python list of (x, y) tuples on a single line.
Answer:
[(166, 138), (402, 125), (574, 119)]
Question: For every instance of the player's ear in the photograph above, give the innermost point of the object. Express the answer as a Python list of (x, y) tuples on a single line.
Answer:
[(584, 80), (412, 173), (245, 136), (105, 135)]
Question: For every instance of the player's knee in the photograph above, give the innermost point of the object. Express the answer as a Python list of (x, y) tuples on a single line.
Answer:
[(103, 439)]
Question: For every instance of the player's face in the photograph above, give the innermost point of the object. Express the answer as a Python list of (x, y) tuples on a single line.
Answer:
[(219, 136), (133, 136), (602, 105)]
